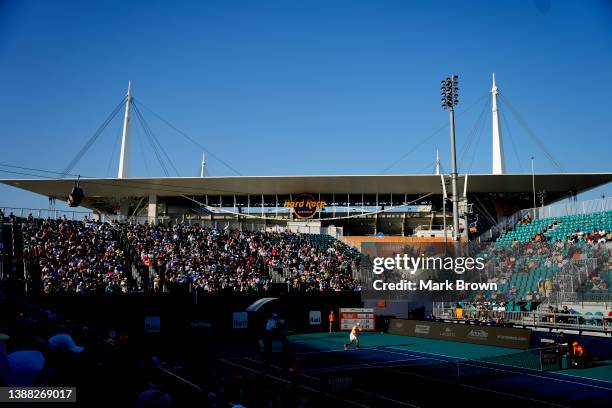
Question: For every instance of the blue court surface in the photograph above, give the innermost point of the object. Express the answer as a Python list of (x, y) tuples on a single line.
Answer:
[(407, 371)]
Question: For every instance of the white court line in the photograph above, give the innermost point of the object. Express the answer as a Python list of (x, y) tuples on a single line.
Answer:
[(325, 351), (549, 377), (374, 364), (338, 350), (481, 389), (450, 382), (370, 394), (543, 376), (254, 371), (288, 382), (454, 359), (354, 389), (583, 378), (427, 377)]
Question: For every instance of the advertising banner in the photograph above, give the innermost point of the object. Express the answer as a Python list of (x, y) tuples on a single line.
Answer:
[(152, 324), (489, 335), (351, 316), (304, 206), (240, 320), (314, 317)]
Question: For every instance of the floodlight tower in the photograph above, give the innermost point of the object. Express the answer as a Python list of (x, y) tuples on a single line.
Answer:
[(450, 99)]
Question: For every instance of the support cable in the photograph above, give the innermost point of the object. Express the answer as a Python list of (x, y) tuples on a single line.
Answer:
[(151, 142), (93, 138), (531, 134), (154, 138), (474, 132), (110, 159), (479, 134), (139, 136), (422, 141), (507, 126), (186, 136)]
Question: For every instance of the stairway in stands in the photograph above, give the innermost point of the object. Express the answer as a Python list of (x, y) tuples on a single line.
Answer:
[(5, 250), (12, 255)]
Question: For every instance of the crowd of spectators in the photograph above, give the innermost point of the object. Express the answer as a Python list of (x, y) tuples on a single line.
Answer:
[(591, 236), (241, 261), (94, 257), (598, 284), (75, 257), (598, 236), (504, 261)]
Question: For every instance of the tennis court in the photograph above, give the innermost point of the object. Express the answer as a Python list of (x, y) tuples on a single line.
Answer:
[(394, 370)]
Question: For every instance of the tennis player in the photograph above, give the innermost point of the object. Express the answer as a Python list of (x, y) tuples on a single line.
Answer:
[(354, 336)]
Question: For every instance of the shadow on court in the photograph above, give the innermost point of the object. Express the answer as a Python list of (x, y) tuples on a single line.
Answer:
[(393, 370)]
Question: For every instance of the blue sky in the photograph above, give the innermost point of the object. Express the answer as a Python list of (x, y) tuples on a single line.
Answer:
[(303, 87)]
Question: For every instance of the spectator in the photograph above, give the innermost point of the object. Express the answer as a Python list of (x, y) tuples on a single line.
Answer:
[(153, 399), (577, 355), (564, 311), (81, 257), (25, 368), (64, 362), (562, 343), (74, 257)]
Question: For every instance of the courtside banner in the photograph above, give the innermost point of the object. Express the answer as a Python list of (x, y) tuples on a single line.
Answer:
[(314, 317), (349, 317), (467, 333), (240, 320)]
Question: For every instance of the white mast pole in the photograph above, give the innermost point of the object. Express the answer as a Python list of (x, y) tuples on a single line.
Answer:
[(126, 142), (437, 163), (203, 166), (499, 166)]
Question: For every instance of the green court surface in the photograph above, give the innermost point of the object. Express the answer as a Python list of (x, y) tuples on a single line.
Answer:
[(455, 350), (442, 348), (603, 371)]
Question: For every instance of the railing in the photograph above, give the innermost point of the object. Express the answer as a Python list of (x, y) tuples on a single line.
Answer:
[(576, 208), (139, 219), (550, 211), (543, 319), (497, 230), (45, 213), (1, 251), (231, 224), (570, 277), (603, 297), (270, 226), (434, 227)]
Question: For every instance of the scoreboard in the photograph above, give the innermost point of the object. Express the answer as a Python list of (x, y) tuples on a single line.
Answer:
[(351, 316)]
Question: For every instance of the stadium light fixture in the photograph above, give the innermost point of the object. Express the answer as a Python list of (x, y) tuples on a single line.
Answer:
[(450, 98), (450, 92)]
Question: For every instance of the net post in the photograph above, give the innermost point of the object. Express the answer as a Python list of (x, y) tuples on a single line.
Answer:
[(540, 359), (458, 375)]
